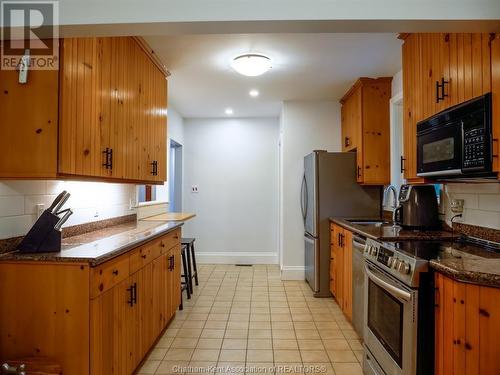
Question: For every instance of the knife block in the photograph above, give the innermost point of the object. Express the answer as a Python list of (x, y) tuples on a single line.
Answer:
[(42, 237)]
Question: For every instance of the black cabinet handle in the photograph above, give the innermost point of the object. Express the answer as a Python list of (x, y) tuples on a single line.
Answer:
[(438, 98), (134, 293), (115, 272), (359, 171), (107, 158), (403, 159), (441, 87), (347, 141), (130, 302), (154, 168)]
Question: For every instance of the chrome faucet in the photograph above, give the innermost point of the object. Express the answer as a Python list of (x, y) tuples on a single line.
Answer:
[(394, 202)]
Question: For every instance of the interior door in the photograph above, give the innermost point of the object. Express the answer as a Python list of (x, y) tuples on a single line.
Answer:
[(310, 191)]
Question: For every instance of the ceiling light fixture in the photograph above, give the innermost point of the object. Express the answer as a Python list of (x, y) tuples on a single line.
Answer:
[(228, 111), (251, 64), (253, 93)]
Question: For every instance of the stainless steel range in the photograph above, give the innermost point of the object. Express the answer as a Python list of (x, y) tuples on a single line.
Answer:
[(398, 308)]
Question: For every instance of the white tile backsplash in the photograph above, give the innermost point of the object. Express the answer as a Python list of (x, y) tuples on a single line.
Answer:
[(90, 201), (481, 203)]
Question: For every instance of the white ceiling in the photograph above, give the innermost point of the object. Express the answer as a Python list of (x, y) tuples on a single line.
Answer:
[(305, 67)]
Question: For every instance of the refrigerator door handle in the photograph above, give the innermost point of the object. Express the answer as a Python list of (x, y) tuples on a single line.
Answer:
[(302, 208)]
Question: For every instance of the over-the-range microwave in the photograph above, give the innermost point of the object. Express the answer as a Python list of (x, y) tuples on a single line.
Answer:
[(457, 142)]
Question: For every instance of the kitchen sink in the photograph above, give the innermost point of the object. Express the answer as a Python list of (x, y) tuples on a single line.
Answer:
[(377, 223)]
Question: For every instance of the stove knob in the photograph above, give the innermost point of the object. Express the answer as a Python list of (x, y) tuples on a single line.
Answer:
[(404, 268), (390, 260), (395, 264), (374, 251)]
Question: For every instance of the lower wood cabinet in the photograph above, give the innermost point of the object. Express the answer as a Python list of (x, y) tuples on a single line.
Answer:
[(467, 327), (92, 320), (341, 267)]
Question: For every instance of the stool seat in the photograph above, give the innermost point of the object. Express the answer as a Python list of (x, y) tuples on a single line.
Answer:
[(187, 241)]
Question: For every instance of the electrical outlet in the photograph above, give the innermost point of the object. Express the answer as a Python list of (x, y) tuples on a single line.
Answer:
[(194, 189), (457, 206), (39, 208)]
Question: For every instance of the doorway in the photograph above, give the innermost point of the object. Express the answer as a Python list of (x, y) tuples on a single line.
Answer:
[(175, 177)]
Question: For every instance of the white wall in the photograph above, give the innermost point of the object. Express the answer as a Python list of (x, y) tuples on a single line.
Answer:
[(175, 125), (396, 125), (90, 201), (305, 126), (234, 163)]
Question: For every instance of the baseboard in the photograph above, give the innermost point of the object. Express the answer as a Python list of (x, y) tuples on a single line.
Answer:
[(292, 273), (236, 258)]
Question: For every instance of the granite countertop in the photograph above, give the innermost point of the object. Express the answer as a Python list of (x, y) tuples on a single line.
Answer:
[(101, 245), (469, 263), (386, 232)]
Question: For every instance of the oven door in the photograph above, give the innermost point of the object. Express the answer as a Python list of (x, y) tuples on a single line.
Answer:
[(439, 150), (390, 322)]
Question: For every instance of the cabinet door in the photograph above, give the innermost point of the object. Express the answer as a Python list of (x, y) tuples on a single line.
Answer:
[(80, 100), (176, 278), (347, 274), (111, 324), (159, 294), (412, 105), (338, 268), (332, 261), (28, 138), (351, 121)]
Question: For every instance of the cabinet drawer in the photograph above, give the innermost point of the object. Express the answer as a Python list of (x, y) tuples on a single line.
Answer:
[(140, 257), (170, 240), (109, 274)]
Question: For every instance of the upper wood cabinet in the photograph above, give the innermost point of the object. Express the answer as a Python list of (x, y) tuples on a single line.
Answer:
[(467, 326), (28, 128), (440, 70), (366, 128), (103, 116), (112, 111)]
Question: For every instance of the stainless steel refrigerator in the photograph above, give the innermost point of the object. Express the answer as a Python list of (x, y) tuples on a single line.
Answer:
[(329, 189)]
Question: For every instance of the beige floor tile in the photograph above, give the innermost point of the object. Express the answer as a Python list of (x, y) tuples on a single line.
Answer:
[(281, 318), (286, 355), (256, 355), (260, 325), (327, 334), (260, 317), (149, 367), (259, 310), (175, 354), (193, 324), (230, 367), (255, 368), (212, 333), (336, 344), (304, 325), (237, 325), (350, 334), (302, 317), (205, 355), (308, 334), (347, 369), (260, 344), (165, 342), (342, 356), (243, 317), (305, 344), (282, 325), (189, 332), (288, 368), (215, 324), (236, 333), (218, 316), (327, 325), (232, 355), (195, 316), (209, 343), (171, 332), (355, 344), (202, 367), (234, 343), (283, 334), (184, 343), (285, 344), (314, 356), (359, 355), (259, 333)]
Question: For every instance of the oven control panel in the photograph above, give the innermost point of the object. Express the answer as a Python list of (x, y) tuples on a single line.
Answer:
[(394, 261)]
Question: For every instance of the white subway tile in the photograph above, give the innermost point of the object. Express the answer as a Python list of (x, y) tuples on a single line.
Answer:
[(14, 226), (22, 187), (30, 202), (489, 202), (481, 188), (470, 200), (11, 205), (489, 219)]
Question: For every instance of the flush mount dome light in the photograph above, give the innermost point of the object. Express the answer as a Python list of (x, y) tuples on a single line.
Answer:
[(251, 64)]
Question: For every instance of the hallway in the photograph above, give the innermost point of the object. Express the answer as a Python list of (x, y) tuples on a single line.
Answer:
[(244, 319)]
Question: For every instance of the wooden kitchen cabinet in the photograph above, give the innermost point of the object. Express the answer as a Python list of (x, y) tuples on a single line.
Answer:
[(341, 267), (366, 128), (467, 326), (113, 111), (440, 70), (28, 129), (93, 320)]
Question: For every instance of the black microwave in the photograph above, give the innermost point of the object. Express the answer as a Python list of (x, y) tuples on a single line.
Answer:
[(457, 142)]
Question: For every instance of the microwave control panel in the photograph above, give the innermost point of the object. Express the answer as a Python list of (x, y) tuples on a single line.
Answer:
[(474, 148)]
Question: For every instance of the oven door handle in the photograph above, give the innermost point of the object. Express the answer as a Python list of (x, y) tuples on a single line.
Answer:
[(403, 294)]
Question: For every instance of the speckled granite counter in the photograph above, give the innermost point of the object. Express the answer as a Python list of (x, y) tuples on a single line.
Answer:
[(469, 263), (386, 232), (101, 245)]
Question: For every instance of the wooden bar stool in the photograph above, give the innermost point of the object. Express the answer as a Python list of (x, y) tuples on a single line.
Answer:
[(191, 257)]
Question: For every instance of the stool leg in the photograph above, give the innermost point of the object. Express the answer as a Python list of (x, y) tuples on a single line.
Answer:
[(181, 306), (190, 277), (184, 265), (194, 264)]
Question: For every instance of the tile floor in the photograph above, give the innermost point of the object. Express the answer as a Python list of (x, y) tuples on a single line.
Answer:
[(246, 320)]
